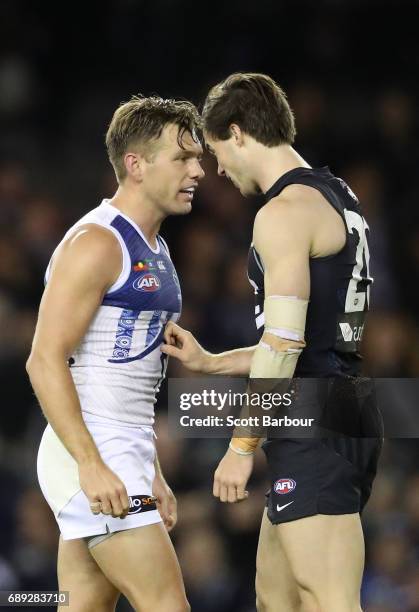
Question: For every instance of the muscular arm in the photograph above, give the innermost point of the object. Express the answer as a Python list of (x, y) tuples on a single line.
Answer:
[(84, 268), (282, 238), (283, 241)]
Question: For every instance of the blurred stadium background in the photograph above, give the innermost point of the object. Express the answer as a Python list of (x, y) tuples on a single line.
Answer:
[(350, 69)]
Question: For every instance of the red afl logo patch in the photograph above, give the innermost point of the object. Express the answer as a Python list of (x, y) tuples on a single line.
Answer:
[(284, 485), (147, 282)]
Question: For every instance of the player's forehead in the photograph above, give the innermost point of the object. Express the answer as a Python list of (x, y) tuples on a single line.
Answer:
[(211, 144), (176, 138)]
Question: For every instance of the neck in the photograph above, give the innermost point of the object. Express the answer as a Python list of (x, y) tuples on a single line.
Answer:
[(274, 162), (141, 210)]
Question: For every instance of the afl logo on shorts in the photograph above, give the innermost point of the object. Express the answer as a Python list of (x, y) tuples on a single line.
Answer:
[(284, 486), (141, 503), (147, 282)]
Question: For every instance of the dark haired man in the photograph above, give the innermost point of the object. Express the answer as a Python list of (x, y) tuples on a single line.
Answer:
[(96, 367), (308, 264)]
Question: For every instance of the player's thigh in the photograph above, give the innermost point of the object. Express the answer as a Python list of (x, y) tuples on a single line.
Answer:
[(78, 573), (326, 555), (142, 564), (276, 588)]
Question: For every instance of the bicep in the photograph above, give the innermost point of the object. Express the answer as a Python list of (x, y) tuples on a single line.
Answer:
[(287, 274), (284, 246)]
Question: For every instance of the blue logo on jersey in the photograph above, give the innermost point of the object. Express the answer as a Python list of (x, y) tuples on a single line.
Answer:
[(147, 282), (124, 333)]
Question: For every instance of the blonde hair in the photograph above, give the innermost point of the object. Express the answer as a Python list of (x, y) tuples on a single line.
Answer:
[(140, 123)]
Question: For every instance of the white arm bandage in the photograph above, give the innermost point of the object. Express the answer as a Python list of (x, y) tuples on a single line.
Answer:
[(285, 317)]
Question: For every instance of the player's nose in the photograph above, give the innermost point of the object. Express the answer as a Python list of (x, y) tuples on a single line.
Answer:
[(221, 171), (198, 172), (201, 172)]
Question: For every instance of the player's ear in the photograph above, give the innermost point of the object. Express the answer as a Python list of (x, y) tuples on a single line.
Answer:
[(237, 134), (134, 164)]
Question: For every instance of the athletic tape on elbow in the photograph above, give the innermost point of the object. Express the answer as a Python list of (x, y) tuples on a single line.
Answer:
[(285, 318)]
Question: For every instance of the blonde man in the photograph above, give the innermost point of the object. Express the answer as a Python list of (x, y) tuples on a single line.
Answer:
[(96, 367)]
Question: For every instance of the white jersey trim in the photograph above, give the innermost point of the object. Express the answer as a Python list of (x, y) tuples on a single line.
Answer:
[(164, 243), (106, 202), (126, 262)]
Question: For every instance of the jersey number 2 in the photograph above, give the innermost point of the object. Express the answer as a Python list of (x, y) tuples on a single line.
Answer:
[(355, 300)]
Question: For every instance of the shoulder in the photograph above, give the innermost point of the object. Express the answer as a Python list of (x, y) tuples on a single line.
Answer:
[(283, 217), (89, 248), (91, 240)]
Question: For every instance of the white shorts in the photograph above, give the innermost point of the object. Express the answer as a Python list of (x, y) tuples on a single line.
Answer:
[(127, 451)]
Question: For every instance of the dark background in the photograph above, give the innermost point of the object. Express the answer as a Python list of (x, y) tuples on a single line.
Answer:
[(350, 69)]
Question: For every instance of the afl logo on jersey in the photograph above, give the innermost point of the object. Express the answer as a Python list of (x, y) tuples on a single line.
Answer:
[(284, 486), (147, 282)]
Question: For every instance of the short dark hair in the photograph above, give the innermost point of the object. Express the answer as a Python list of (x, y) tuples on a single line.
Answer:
[(256, 103), (140, 122)]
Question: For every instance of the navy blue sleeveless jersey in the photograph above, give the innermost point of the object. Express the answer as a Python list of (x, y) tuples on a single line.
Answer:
[(339, 284)]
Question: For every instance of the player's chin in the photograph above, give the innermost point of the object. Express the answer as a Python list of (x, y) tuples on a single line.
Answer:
[(248, 190), (181, 208)]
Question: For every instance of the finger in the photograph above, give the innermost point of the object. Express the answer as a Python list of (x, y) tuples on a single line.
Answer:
[(116, 506), (173, 333), (216, 488), (124, 499), (170, 523), (223, 493), (173, 513), (170, 350), (96, 507), (232, 494), (106, 506), (163, 509), (168, 331), (241, 493)]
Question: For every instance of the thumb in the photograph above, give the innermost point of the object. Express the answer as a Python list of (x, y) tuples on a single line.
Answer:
[(170, 522), (163, 508)]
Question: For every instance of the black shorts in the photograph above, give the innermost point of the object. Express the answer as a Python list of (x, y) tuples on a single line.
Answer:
[(319, 476), (333, 474)]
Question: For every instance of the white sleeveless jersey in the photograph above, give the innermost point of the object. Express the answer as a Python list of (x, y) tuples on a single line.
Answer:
[(118, 367)]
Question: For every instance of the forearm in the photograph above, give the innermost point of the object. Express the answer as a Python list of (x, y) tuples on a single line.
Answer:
[(57, 395), (231, 363)]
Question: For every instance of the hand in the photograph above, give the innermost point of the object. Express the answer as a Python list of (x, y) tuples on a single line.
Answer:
[(231, 476), (181, 344), (104, 490), (166, 502)]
